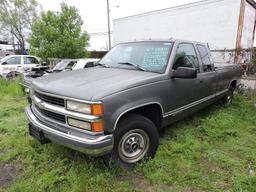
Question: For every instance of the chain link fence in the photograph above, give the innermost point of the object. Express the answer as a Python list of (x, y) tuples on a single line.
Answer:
[(244, 57)]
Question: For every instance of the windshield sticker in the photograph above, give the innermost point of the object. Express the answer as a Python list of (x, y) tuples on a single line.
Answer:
[(155, 58)]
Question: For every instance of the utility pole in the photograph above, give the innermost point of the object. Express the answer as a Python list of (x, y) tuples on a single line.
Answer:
[(109, 37)]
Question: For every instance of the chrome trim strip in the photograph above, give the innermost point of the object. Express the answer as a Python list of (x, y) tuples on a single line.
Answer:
[(173, 112), (68, 98), (178, 110), (61, 110), (65, 125), (145, 104), (86, 141)]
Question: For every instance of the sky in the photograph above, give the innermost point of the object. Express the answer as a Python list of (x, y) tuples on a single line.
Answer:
[(94, 13)]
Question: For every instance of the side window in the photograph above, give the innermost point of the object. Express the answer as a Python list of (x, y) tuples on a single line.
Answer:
[(14, 61), (205, 57), (70, 65), (89, 64), (186, 57), (30, 60)]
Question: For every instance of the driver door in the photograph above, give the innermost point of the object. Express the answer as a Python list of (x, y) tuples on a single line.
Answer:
[(185, 93)]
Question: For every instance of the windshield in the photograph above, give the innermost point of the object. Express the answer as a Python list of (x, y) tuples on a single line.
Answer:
[(5, 58), (146, 56)]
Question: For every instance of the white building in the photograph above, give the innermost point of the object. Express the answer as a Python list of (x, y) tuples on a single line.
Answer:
[(224, 24)]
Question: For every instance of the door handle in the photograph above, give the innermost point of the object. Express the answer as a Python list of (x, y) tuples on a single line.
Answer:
[(201, 81)]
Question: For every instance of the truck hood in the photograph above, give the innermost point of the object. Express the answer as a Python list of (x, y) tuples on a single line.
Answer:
[(93, 83)]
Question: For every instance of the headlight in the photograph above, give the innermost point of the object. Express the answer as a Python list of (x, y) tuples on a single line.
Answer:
[(78, 107), (92, 109)]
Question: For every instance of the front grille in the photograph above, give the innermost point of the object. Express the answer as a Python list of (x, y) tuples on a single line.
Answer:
[(58, 117), (50, 99)]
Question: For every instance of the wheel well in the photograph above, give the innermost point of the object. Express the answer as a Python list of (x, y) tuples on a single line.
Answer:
[(232, 85), (152, 112)]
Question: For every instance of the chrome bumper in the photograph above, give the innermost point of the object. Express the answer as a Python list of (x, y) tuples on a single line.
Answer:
[(96, 145)]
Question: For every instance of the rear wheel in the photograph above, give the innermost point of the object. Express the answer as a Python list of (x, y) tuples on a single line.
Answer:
[(136, 138)]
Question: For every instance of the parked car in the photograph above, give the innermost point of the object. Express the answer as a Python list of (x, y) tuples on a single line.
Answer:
[(118, 108), (63, 65), (13, 65), (70, 64), (85, 63)]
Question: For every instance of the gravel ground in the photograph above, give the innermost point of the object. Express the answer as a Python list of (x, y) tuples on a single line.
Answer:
[(249, 83)]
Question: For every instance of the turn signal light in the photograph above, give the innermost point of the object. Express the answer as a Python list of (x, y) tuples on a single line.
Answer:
[(97, 109), (97, 126)]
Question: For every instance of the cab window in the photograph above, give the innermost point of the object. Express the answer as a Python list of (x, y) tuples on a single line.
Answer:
[(70, 65), (13, 61), (90, 64), (30, 60), (186, 57), (205, 57)]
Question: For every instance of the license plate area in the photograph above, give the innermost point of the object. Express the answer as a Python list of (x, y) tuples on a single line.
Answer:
[(38, 134)]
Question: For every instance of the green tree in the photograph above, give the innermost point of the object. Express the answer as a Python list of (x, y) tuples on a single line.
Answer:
[(59, 35), (16, 18)]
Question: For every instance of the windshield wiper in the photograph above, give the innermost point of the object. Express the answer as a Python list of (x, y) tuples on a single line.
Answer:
[(131, 64)]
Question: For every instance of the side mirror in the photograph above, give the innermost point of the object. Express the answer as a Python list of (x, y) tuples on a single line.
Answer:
[(185, 73), (4, 63)]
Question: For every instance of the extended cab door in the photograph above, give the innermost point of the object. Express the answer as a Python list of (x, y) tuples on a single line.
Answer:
[(207, 75), (187, 93)]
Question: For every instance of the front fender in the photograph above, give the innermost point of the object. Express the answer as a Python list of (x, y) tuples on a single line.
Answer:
[(123, 106)]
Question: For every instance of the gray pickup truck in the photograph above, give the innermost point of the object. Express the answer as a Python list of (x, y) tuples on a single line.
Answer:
[(117, 108)]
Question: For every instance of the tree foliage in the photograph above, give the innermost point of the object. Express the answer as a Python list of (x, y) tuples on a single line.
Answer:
[(16, 18), (59, 35)]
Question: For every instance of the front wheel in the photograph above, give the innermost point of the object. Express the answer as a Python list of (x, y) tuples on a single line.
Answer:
[(136, 138), (13, 75)]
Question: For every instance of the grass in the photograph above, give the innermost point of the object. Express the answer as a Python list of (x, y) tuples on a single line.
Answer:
[(11, 88), (214, 150)]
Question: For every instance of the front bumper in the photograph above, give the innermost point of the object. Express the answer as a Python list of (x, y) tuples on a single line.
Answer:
[(96, 145)]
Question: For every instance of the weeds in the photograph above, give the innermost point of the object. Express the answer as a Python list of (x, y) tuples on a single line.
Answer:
[(11, 87)]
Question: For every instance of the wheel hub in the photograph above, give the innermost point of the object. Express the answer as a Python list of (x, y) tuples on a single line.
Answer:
[(133, 146)]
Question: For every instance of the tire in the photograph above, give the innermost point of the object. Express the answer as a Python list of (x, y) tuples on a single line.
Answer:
[(228, 98), (12, 75), (135, 139)]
